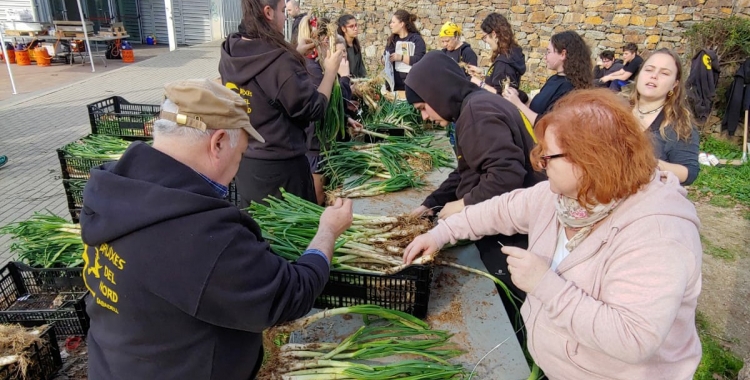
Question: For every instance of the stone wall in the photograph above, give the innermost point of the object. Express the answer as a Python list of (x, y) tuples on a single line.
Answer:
[(605, 24)]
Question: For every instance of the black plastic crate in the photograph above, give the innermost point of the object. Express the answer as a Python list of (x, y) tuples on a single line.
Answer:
[(407, 291), (116, 116), (77, 167), (29, 296), (74, 195), (43, 358)]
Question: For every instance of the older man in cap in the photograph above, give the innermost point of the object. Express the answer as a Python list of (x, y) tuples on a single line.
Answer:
[(182, 283)]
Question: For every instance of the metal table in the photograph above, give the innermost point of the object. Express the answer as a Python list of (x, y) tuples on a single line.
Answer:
[(466, 304)]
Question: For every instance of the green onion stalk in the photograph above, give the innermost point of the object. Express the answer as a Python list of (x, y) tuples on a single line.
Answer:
[(371, 245), (388, 115), (99, 147), (333, 123), (415, 351), (46, 241)]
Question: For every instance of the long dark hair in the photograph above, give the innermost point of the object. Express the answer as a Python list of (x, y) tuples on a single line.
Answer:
[(408, 19), (256, 26), (342, 25), (577, 64), (495, 22)]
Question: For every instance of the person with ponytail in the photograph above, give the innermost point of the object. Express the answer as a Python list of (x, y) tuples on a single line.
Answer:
[(569, 56), (405, 46), (281, 101), (349, 29), (659, 102)]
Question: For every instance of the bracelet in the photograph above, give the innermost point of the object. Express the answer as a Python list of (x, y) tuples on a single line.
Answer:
[(481, 85)]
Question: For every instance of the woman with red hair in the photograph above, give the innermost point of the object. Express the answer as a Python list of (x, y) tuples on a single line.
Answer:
[(613, 268)]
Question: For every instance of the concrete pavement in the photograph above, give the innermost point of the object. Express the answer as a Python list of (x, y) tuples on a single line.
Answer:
[(32, 128)]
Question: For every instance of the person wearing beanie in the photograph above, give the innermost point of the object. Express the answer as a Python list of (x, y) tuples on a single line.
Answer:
[(493, 146)]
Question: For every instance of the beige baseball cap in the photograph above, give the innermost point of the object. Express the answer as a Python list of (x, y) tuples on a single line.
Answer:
[(204, 104)]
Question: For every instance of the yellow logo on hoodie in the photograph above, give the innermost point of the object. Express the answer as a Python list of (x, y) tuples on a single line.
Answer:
[(245, 94)]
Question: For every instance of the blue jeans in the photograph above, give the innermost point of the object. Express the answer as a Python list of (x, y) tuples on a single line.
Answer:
[(617, 85)]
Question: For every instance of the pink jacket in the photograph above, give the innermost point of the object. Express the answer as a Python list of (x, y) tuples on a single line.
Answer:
[(622, 304)]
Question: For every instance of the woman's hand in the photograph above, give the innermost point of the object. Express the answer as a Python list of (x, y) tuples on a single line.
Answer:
[(355, 128), (396, 57), (333, 61), (451, 208), (511, 94), (421, 211), (476, 72), (423, 245), (306, 46), (526, 268)]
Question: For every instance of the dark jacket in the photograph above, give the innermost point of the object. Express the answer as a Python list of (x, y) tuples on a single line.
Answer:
[(464, 53), (357, 67), (316, 74), (511, 66), (182, 283), (738, 99), (675, 151), (295, 27), (702, 82), (600, 71), (419, 51), (555, 88), (492, 144), (281, 97)]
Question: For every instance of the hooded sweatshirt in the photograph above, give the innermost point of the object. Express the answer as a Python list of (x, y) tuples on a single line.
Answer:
[(511, 66), (464, 53), (622, 304), (182, 283), (281, 97), (492, 144)]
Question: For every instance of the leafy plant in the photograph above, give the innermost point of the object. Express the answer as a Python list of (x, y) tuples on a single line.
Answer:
[(713, 250), (717, 362), (730, 180), (720, 148)]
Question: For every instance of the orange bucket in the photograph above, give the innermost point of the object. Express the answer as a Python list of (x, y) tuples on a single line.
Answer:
[(22, 57), (11, 56), (42, 57), (127, 56)]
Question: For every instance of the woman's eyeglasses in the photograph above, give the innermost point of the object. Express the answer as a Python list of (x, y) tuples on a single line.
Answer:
[(352, 26), (545, 159)]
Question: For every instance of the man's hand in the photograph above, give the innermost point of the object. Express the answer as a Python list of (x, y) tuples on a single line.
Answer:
[(526, 268), (305, 46), (333, 61), (337, 218), (422, 211), (476, 72), (423, 245), (451, 208)]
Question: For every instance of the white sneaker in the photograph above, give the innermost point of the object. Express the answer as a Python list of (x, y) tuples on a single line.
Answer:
[(703, 159)]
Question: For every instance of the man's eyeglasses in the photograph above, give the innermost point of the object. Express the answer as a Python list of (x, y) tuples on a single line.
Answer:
[(545, 159), (606, 60)]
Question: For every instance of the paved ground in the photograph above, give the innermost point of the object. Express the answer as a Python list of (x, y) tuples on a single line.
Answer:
[(32, 127)]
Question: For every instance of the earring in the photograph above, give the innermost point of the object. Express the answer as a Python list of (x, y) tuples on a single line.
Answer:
[(670, 94)]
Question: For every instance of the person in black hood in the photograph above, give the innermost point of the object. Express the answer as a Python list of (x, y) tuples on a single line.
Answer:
[(493, 146), (182, 283), (459, 51), (405, 46), (281, 100), (508, 60)]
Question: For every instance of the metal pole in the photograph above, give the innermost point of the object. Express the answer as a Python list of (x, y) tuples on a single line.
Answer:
[(86, 36), (170, 25), (7, 61)]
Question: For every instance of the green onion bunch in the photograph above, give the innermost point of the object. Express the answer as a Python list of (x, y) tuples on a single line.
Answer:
[(46, 241)]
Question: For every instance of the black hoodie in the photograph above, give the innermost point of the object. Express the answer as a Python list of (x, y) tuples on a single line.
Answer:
[(182, 283), (492, 143), (511, 66), (281, 98), (464, 53)]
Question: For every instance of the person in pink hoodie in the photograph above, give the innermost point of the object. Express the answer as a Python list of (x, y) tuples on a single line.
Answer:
[(613, 268)]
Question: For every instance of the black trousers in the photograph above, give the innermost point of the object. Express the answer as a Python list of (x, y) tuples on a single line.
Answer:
[(257, 179), (497, 264)]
